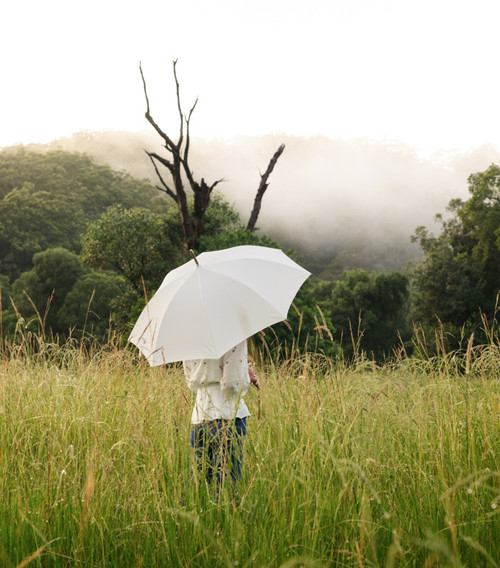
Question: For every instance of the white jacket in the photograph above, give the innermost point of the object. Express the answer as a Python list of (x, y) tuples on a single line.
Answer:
[(220, 385)]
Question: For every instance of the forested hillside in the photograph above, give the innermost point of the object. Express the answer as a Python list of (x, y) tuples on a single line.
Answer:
[(81, 244), (340, 204), (47, 201)]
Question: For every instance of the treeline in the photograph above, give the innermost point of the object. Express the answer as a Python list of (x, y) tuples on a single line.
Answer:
[(82, 246)]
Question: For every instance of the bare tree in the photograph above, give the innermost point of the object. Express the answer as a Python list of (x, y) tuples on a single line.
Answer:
[(176, 162)]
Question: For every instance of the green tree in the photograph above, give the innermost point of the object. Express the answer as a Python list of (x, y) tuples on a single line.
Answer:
[(448, 287), (308, 327), (32, 221), (369, 311), (40, 292), (459, 279), (136, 243), (89, 306), (480, 218)]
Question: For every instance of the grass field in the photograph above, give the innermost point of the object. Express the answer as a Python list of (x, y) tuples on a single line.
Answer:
[(346, 465)]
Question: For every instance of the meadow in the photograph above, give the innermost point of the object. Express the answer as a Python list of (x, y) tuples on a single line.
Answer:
[(355, 465)]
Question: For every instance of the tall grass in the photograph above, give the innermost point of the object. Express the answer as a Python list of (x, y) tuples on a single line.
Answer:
[(358, 465)]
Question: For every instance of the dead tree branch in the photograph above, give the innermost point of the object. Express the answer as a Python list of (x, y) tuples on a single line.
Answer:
[(262, 189), (168, 142), (164, 186)]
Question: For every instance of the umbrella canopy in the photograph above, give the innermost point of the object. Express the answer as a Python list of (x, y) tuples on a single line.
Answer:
[(208, 305)]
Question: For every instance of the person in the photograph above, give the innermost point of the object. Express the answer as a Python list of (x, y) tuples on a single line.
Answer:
[(219, 418)]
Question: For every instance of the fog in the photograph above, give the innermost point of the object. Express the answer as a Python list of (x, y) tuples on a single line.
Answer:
[(330, 195)]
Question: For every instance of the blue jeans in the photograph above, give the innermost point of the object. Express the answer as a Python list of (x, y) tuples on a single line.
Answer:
[(219, 448)]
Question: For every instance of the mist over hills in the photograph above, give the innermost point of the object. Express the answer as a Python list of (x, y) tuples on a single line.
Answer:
[(340, 203)]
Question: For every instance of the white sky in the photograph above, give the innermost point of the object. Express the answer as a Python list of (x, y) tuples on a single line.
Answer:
[(424, 72)]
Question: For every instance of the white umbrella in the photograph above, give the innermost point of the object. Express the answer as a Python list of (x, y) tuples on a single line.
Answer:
[(208, 305)]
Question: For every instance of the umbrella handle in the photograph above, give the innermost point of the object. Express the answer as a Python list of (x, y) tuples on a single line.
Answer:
[(194, 257)]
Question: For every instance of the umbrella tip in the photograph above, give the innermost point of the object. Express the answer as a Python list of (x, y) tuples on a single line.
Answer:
[(194, 257)]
